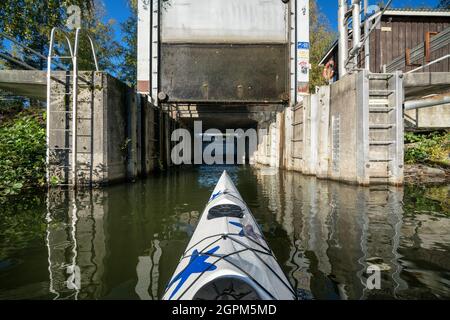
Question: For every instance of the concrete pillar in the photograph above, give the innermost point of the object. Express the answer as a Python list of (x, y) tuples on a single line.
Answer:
[(288, 136), (132, 141), (144, 44), (361, 107), (323, 149)]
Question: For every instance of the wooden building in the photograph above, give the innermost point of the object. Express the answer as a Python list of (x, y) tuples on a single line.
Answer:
[(404, 40)]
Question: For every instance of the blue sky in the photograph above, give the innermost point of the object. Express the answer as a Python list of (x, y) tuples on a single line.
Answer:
[(330, 7), (120, 11)]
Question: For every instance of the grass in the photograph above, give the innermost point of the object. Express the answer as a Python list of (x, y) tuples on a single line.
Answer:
[(432, 148)]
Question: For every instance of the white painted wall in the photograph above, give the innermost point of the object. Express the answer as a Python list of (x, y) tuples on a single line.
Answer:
[(143, 43), (225, 21)]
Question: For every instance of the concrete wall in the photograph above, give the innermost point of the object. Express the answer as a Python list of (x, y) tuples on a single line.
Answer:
[(422, 84), (343, 135), (116, 130), (337, 132), (428, 118)]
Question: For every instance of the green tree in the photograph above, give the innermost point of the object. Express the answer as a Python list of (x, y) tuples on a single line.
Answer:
[(445, 4), (321, 38), (30, 23), (108, 50), (128, 52)]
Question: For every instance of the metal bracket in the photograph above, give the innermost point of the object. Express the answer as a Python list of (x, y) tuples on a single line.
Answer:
[(408, 59), (428, 45)]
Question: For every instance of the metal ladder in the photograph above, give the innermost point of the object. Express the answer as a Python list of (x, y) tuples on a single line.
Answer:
[(63, 92), (385, 127)]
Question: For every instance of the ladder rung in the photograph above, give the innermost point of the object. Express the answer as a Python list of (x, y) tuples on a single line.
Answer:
[(380, 160), (381, 92), (380, 126), (380, 110), (378, 103), (380, 76), (381, 143)]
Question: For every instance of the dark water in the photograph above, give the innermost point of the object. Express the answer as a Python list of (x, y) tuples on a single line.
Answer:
[(124, 242)]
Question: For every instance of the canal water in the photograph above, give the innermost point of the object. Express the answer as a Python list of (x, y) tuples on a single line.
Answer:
[(124, 242)]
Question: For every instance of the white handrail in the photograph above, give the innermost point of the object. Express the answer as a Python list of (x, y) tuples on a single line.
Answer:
[(430, 64), (74, 57), (75, 100), (52, 41), (49, 78), (91, 42)]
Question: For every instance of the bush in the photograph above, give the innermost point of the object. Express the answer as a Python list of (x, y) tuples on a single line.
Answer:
[(425, 148), (22, 153)]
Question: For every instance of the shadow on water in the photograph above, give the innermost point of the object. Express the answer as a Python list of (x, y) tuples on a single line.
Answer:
[(124, 242)]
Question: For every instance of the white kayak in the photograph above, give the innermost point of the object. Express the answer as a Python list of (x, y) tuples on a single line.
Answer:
[(228, 257)]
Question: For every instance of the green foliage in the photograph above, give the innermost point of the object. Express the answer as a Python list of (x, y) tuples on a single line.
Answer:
[(321, 37), (128, 51), (30, 22), (433, 201), (423, 148), (21, 222), (108, 50), (444, 4), (22, 154)]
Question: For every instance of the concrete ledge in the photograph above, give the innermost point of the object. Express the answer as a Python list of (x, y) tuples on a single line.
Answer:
[(26, 83), (422, 84)]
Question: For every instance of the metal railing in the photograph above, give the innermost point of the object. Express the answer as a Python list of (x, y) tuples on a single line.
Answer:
[(53, 66), (74, 58), (360, 44), (430, 63), (22, 63), (417, 53)]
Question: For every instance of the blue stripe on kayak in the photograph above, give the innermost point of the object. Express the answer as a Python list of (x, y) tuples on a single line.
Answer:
[(239, 225), (197, 264), (214, 196)]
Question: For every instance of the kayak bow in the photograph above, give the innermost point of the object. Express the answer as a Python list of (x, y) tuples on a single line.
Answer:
[(228, 257)]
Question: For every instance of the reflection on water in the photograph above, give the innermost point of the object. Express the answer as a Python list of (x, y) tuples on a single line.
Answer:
[(124, 242)]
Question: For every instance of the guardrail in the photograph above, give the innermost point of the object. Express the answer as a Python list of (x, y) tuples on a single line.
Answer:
[(421, 51)]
